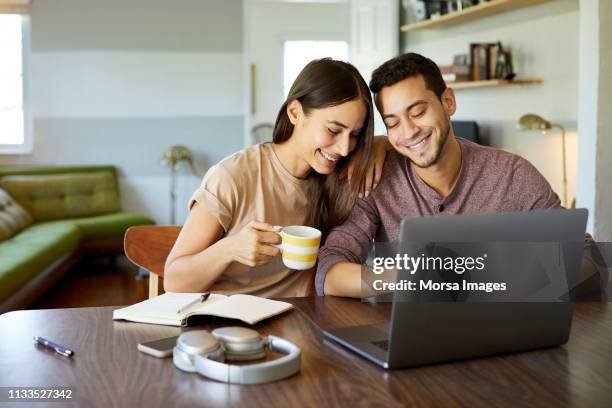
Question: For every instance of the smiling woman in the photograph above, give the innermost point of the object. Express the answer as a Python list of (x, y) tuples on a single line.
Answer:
[(229, 241)]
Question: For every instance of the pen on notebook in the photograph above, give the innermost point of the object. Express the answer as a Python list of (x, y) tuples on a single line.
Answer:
[(200, 299), (54, 346)]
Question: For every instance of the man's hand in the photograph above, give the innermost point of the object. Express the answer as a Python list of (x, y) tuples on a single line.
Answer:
[(373, 174)]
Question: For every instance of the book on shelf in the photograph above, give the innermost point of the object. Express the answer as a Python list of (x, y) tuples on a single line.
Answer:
[(483, 58), (493, 54), (458, 72)]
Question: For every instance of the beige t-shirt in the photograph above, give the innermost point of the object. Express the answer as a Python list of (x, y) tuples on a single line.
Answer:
[(249, 185)]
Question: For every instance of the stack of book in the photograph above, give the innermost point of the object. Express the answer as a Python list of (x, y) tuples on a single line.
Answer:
[(484, 60), (460, 71)]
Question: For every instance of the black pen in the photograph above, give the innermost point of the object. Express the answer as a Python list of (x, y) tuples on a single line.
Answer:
[(54, 346), (199, 299)]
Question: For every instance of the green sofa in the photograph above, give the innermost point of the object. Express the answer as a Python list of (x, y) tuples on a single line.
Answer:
[(50, 216)]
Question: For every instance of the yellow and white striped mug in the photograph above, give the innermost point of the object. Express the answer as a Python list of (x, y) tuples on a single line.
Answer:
[(300, 246)]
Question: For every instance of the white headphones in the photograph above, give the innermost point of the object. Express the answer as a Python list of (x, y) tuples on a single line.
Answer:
[(205, 353)]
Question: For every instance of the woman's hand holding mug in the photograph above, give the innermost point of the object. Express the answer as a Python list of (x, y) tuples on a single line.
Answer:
[(258, 242), (255, 244)]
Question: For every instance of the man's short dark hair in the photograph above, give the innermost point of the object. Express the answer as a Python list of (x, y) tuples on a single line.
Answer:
[(406, 66)]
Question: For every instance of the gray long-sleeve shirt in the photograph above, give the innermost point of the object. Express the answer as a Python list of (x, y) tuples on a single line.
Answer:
[(489, 180)]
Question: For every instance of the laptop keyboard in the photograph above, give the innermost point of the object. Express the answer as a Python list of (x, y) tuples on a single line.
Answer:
[(383, 344)]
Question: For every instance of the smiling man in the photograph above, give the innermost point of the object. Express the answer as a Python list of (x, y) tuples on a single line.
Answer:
[(430, 172)]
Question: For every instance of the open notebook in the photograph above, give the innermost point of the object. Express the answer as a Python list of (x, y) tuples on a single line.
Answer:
[(163, 309)]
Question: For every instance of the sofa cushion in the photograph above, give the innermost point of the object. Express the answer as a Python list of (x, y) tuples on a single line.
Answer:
[(103, 226), (13, 218), (29, 252), (55, 196)]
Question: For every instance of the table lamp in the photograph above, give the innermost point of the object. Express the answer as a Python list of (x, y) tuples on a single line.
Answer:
[(532, 121)]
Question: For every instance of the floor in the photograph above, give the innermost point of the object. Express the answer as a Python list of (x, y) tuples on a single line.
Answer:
[(96, 282)]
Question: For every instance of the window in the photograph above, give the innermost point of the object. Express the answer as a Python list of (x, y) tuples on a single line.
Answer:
[(15, 135), (296, 54)]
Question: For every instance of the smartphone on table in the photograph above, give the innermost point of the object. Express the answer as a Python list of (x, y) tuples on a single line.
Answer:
[(158, 348)]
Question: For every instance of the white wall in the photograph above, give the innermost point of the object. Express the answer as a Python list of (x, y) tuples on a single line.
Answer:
[(603, 216), (143, 84), (595, 120), (544, 42), (270, 24), (589, 73)]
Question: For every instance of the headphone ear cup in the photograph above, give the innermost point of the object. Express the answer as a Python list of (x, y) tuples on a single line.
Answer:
[(196, 343), (240, 343), (182, 360)]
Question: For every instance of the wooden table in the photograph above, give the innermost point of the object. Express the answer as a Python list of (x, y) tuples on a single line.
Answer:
[(107, 370)]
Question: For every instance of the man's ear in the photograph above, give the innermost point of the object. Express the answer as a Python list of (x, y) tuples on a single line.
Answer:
[(294, 111), (449, 102)]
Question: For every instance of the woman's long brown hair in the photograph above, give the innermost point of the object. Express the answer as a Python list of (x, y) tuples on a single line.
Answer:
[(321, 84)]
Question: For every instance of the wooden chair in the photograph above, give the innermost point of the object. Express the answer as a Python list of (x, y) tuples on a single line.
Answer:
[(148, 246)]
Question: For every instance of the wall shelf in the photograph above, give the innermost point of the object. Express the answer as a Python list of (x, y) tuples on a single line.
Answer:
[(491, 82), (471, 13)]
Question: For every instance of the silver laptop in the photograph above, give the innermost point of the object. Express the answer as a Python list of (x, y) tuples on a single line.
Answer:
[(424, 332)]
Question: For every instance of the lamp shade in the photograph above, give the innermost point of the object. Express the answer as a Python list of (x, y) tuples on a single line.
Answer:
[(531, 121), (176, 154)]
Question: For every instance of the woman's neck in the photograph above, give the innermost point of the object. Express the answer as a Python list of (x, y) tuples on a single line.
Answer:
[(288, 155)]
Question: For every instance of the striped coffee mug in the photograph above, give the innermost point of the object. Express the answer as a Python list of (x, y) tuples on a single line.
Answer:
[(300, 246)]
